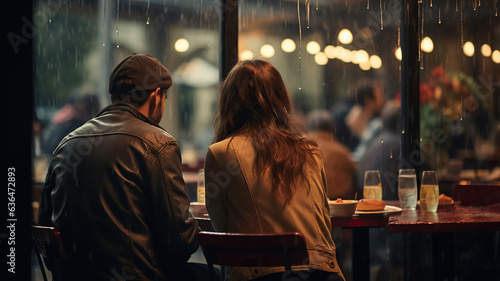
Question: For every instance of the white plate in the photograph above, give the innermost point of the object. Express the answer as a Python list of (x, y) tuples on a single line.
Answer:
[(387, 210)]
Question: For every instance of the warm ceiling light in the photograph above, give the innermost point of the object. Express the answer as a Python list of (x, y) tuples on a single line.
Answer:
[(426, 45), (313, 47), (486, 50), (267, 51), (354, 57), (398, 53), (320, 58), (469, 49), (331, 52), (495, 56), (365, 65), (345, 36), (375, 62), (288, 45), (362, 56), (181, 45), (246, 55), (345, 55)]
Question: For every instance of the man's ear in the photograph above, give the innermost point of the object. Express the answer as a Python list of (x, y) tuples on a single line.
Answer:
[(157, 95)]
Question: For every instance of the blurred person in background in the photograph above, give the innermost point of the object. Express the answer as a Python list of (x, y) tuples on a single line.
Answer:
[(384, 156), (339, 168), (339, 112), (263, 176), (115, 189), (364, 118), (82, 105)]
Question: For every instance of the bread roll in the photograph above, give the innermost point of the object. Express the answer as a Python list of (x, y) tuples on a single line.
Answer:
[(445, 200), (370, 205)]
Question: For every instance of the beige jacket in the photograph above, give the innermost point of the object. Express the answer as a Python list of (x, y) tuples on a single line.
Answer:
[(240, 201)]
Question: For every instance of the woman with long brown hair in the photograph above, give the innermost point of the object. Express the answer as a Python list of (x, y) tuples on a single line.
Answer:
[(263, 176)]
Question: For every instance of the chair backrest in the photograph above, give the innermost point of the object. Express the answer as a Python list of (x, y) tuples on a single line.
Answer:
[(470, 193), (241, 249), (49, 242)]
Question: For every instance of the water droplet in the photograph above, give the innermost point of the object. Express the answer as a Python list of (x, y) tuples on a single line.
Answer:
[(50, 20), (300, 88), (368, 4), (381, 17), (103, 44), (118, 46), (147, 22)]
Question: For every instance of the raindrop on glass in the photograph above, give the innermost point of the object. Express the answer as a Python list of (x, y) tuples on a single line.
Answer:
[(307, 12), (147, 21), (381, 17)]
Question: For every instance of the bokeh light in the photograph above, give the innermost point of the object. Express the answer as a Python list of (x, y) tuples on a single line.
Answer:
[(288, 45), (181, 45), (320, 58), (313, 47), (267, 51), (469, 49), (427, 45), (486, 50), (345, 36)]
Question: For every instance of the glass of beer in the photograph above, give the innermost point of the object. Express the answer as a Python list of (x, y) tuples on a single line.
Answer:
[(407, 189), (429, 191), (372, 188), (200, 190)]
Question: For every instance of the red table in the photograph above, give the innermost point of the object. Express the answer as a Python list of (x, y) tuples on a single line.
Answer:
[(441, 226)]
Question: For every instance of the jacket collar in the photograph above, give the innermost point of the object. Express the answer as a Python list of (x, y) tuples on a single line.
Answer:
[(123, 106)]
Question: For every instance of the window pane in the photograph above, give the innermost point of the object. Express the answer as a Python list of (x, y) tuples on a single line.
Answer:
[(460, 79), (330, 53), (78, 42)]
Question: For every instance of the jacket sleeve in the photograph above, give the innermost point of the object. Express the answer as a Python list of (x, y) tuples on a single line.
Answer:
[(45, 209), (170, 205), (215, 193)]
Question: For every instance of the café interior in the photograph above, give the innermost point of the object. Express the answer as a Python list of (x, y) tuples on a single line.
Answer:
[(436, 61)]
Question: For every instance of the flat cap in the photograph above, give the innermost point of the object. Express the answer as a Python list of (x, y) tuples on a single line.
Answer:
[(145, 71)]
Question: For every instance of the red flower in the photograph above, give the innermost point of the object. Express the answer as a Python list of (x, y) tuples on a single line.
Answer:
[(426, 94)]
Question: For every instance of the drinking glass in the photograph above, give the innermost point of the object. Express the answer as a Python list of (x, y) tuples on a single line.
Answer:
[(407, 189), (429, 191), (200, 190), (372, 188)]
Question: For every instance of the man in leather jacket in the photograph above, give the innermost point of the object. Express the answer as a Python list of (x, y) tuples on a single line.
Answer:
[(115, 189)]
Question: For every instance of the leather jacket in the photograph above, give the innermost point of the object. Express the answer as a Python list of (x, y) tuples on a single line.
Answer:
[(115, 191)]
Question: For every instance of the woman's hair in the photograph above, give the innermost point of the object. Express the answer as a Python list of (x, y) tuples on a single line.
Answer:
[(254, 101)]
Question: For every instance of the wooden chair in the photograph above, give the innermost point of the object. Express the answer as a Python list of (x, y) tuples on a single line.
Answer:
[(48, 242), (241, 249)]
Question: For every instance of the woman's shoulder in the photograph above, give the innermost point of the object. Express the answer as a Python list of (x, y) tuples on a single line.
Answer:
[(232, 141)]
